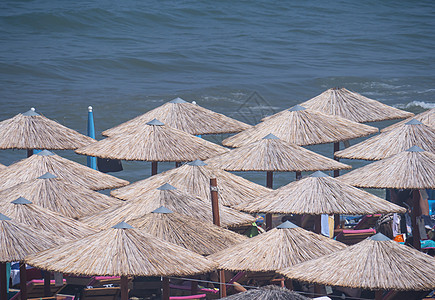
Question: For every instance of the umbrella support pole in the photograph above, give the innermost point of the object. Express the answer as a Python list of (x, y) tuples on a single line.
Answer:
[(298, 175), (178, 164), (317, 290), (124, 288), (222, 285), (23, 281), (29, 152), (47, 289), (268, 221), (416, 211), (269, 179), (193, 287), (318, 224), (336, 221), (289, 284), (336, 148), (165, 287), (153, 168), (215, 201), (378, 295), (3, 281)]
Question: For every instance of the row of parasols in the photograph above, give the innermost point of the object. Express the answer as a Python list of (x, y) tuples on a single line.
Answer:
[(273, 145)]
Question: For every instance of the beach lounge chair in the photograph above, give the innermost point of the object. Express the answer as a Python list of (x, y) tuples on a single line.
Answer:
[(353, 236), (35, 289), (100, 293)]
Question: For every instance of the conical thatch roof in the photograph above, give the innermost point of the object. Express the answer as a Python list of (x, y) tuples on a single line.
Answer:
[(279, 248), (273, 154), (427, 118), (2, 166), (320, 194), (121, 251), (392, 142), (269, 292), (411, 169), (376, 263), (55, 194), (31, 130), (23, 211), (153, 141), (185, 116), (171, 198), (18, 240), (46, 161), (302, 126), (198, 236), (194, 178)]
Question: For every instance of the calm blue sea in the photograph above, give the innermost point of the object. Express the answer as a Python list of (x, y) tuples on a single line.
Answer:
[(127, 57)]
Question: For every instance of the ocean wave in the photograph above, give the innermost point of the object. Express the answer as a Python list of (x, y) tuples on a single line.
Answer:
[(422, 104)]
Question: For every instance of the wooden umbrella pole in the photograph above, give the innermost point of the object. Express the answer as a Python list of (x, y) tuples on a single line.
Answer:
[(269, 184), (165, 285), (222, 285), (23, 281), (47, 289), (215, 201), (3, 281), (124, 287), (416, 211), (336, 148), (318, 224), (378, 295), (298, 175), (268, 221), (178, 164), (153, 168), (29, 152)]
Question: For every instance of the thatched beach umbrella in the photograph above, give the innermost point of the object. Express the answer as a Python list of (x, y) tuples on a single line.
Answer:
[(153, 141), (46, 161), (319, 194), (31, 130), (173, 199), (391, 142), (2, 166), (194, 179), (270, 292), (57, 195), (198, 236), (185, 116), (281, 247), (427, 118), (302, 126), (17, 241), (376, 263), (122, 251), (23, 211)]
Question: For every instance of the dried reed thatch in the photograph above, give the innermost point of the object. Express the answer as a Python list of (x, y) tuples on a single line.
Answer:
[(153, 141), (31, 130), (194, 179), (302, 126), (273, 154), (46, 161), (121, 251), (427, 118), (279, 248), (269, 292), (2, 166), (392, 142), (65, 198), (200, 237), (319, 194), (171, 198), (185, 116), (376, 263), (23, 211), (18, 240), (411, 169)]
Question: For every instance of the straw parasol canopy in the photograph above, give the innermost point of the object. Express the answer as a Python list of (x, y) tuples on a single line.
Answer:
[(31, 130), (55, 194), (185, 116), (18, 240), (392, 142), (269, 292), (171, 198), (287, 245), (2, 167), (194, 179), (125, 251), (155, 142), (274, 155), (376, 263), (46, 161), (198, 236), (410, 169), (427, 118), (319, 194), (302, 126), (23, 211)]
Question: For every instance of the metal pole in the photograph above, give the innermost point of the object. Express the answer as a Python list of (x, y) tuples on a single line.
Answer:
[(3, 281), (91, 161), (47, 288), (23, 281), (336, 148), (416, 211), (124, 288), (165, 286), (215, 202), (153, 168)]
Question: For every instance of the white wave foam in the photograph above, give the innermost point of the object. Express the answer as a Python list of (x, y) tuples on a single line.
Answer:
[(422, 104)]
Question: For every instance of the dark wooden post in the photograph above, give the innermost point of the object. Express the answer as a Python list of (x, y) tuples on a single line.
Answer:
[(416, 211), (29, 152), (23, 281), (165, 285), (124, 287), (269, 184), (153, 168), (222, 285), (47, 287), (317, 290), (336, 148), (178, 164), (298, 175), (378, 295), (3, 281), (318, 224)]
